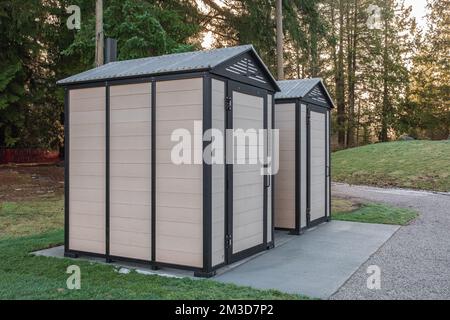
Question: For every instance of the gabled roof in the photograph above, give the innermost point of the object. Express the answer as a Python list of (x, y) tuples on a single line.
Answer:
[(301, 88), (205, 60)]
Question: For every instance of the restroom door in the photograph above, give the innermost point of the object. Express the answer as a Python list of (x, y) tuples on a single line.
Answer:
[(317, 165), (246, 185)]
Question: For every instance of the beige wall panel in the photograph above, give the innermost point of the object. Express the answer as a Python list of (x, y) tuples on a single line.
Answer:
[(130, 177), (285, 178), (178, 214)]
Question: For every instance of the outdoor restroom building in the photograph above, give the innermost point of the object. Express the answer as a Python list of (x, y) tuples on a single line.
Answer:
[(124, 197), (303, 183)]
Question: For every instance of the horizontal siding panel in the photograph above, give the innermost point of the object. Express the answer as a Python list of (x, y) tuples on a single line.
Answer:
[(87, 245), (124, 129), (130, 197), (134, 211), (130, 103), (86, 220), (87, 93), (121, 250), (186, 215), (130, 89), (138, 115), (179, 200), (181, 112), (180, 258), (179, 171), (179, 85), (133, 239), (131, 170), (178, 185), (169, 99), (130, 183), (128, 224), (180, 229)]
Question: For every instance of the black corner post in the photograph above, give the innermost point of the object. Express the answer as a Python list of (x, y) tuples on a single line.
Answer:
[(297, 178), (329, 164), (308, 165), (66, 171), (207, 270), (107, 170), (153, 172), (272, 177)]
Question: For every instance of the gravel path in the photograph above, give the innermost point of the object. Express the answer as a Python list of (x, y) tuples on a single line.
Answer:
[(415, 262)]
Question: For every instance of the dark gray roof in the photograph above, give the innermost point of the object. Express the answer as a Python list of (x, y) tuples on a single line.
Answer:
[(299, 88), (178, 62), (296, 88)]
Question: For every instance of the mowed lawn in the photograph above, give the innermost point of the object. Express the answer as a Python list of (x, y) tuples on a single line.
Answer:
[(351, 210), (36, 221), (405, 164)]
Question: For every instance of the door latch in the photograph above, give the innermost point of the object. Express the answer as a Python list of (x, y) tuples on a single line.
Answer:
[(228, 241), (228, 103)]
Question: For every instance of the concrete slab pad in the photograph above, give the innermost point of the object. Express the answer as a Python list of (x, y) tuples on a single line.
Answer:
[(58, 252), (316, 263)]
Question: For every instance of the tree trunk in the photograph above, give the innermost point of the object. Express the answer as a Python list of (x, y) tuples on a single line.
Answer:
[(99, 36), (352, 77), (340, 85), (386, 103), (279, 22)]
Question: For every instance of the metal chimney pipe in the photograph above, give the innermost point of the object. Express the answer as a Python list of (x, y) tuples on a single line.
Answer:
[(110, 50)]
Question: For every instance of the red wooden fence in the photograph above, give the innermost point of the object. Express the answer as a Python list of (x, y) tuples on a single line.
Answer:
[(28, 156)]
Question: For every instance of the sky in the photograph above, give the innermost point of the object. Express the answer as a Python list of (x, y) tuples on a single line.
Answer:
[(418, 11)]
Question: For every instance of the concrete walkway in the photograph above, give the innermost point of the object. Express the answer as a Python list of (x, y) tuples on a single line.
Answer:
[(415, 262), (316, 263)]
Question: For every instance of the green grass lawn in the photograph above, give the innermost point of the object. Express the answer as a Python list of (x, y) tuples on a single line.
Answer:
[(33, 225), (347, 210), (406, 164)]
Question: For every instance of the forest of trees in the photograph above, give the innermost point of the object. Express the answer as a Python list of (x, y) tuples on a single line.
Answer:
[(387, 76)]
